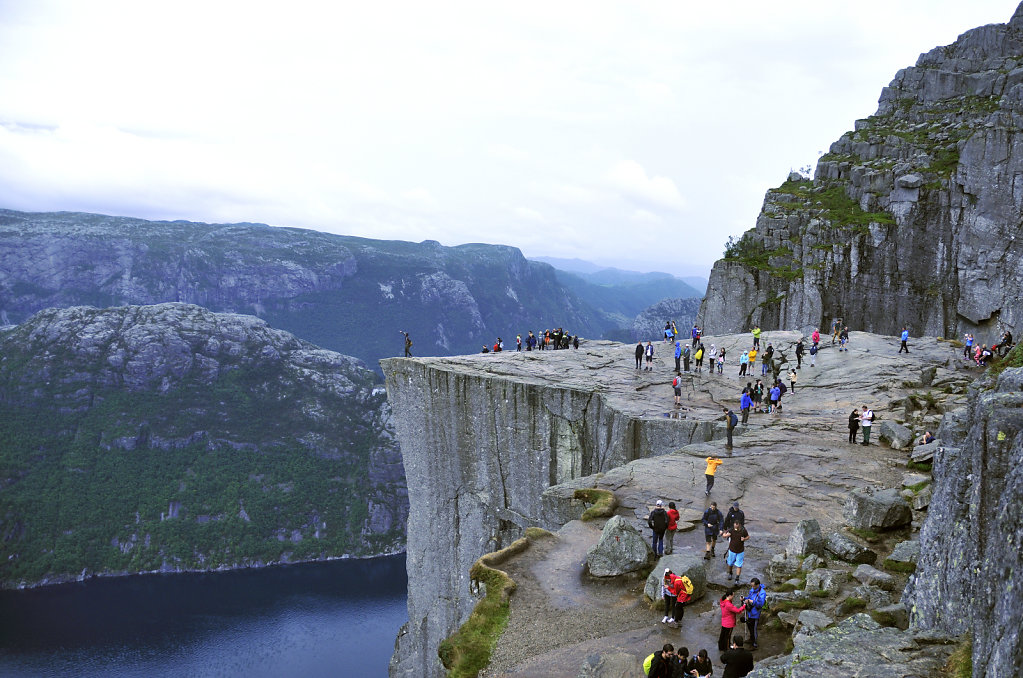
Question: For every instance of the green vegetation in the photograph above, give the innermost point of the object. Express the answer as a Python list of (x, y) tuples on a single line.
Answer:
[(789, 605), (1013, 358), (851, 604), (883, 618), (960, 663), (467, 652), (603, 503), (868, 536), (916, 487), (897, 566), (918, 466)]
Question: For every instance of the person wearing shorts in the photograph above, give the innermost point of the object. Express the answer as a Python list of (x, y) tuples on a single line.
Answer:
[(736, 536)]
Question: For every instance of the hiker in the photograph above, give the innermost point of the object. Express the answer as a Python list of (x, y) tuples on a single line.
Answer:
[(843, 340), (700, 665), (745, 403), (712, 467), (792, 379), (531, 343), (737, 536), (729, 613), (712, 357), (775, 397), (758, 396), (738, 660), (854, 425), (816, 336), (866, 419), (927, 439), (687, 354), (968, 347), (678, 357), (765, 362), (661, 664), (676, 384), (681, 593), (734, 514), (750, 369), (639, 353), (408, 344), (668, 336), (658, 522), (799, 354), (754, 601), (673, 516), (668, 594), (721, 360), (743, 363), (518, 342), (904, 337), (649, 355), (712, 522), (696, 335), (756, 336), (730, 422), (813, 356), (699, 357)]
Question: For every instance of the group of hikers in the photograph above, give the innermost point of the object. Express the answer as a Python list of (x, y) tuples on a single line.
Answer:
[(677, 590), (547, 340), (980, 354)]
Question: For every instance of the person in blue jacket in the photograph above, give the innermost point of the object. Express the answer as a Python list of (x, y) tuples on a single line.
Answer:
[(745, 403), (905, 338), (754, 601), (678, 357)]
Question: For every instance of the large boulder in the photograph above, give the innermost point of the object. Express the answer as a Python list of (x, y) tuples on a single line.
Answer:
[(688, 564), (810, 622), (811, 563), (806, 538), (621, 549), (867, 574), (880, 510), (906, 552), (848, 550), (876, 598), (826, 580), (896, 435), (782, 567)]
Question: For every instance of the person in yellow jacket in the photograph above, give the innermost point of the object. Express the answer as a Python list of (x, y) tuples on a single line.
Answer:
[(752, 360), (712, 467)]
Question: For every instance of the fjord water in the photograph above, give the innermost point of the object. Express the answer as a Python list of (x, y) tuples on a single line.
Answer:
[(337, 618)]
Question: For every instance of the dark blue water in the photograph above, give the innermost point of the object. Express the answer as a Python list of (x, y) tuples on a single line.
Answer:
[(317, 619)]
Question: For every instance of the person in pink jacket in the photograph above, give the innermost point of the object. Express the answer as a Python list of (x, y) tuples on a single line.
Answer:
[(729, 612)]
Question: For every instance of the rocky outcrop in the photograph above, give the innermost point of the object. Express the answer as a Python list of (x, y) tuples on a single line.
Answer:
[(970, 559), (881, 510), (909, 212), (621, 549), (483, 436), (343, 293), (169, 437)]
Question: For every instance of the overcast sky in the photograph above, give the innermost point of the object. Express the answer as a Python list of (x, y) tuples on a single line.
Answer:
[(640, 135)]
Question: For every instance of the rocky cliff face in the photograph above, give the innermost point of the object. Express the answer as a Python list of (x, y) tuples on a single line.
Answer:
[(482, 437), (916, 212), (169, 437), (343, 293), (968, 575)]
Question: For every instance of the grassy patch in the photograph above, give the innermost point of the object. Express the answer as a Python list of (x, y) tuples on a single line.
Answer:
[(883, 618), (467, 651), (851, 604), (603, 503), (820, 593), (785, 587), (789, 605), (960, 663), (868, 536), (1013, 359), (918, 466), (899, 566), (916, 487)]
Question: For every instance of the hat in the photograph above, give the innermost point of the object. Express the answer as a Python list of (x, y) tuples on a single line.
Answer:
[(667, 570), (735, 504), (660, 503)]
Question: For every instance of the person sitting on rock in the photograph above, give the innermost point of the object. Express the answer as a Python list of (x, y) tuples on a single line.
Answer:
[(927, 439)]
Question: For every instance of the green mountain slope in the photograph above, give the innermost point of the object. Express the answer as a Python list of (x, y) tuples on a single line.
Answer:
[(169, 437)]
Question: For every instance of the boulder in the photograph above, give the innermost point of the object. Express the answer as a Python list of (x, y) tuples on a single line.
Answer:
[(874, 596), (898, 613), (846, 549), (924, 453), (927, 375), (788, 619), (911, 180), (806, 538), (880, 510), (896, 435), (826, 580), (811, 621), (867, 574), (922, 499), (688, 564), (811, 563), (914, 479), (621, 549), (906, 552), (782, 567)]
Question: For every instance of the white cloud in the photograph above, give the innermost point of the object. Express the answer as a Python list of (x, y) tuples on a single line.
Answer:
[(631, 180)]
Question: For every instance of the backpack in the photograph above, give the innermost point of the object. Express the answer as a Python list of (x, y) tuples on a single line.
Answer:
[(676, 381), (783, 388), (687, 584), (813, 350), (732, 420), (647, 662), (699, 353)]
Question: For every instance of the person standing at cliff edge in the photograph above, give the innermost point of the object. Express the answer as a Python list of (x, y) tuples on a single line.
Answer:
[(905, 338), (712, 467), (408, 344), (649, 356), (639, 355)]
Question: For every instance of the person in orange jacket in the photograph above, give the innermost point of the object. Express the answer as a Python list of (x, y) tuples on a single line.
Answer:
[(712, 467)]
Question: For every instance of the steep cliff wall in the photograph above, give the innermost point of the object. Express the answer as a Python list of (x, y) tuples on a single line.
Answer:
[(968, 576), (482, 437), (918, 211)]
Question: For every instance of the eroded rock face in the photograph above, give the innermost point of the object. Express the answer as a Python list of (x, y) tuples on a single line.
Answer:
[(968, 560), (881, 510), (913, 200), (806, 539)]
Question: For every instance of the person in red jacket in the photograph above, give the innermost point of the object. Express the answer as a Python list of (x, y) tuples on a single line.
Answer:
[(678, 591), (673, 517), (729, 613)]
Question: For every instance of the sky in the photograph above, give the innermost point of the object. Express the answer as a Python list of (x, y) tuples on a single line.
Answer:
[(636, 135)]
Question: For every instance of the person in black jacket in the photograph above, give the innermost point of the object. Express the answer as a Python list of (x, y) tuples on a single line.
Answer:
[(738, 661), (658, 522), (663, 664), (639, 355), (711, 528), (854, 425), (734, 514)]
